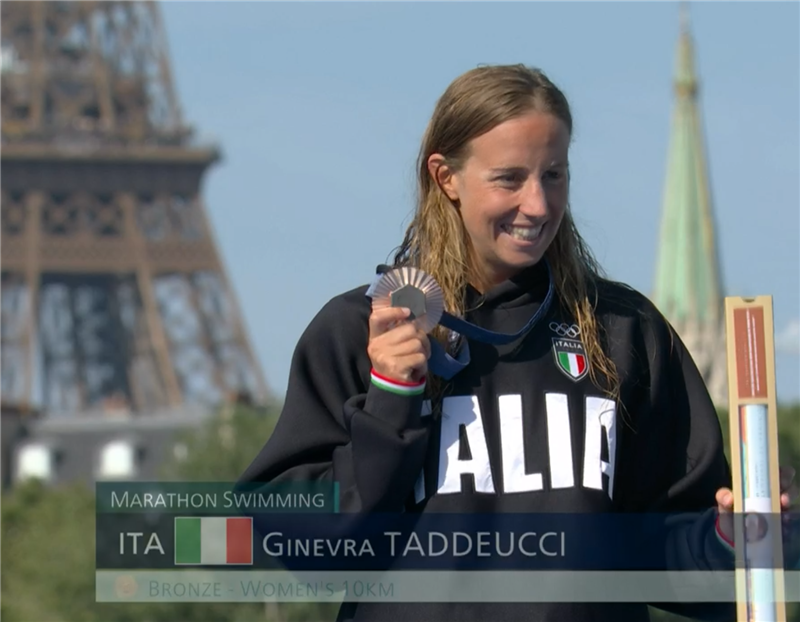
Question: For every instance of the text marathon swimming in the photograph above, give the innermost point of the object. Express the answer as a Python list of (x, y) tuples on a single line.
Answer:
[(208, 500)]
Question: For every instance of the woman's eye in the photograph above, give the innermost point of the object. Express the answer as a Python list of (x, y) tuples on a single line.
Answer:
[(553, 175), (511, 178)]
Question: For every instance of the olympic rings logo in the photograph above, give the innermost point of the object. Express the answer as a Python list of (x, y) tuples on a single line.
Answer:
[(565, 330)]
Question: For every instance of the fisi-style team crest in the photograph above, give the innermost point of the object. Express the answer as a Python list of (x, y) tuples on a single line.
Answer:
[(569, 353)]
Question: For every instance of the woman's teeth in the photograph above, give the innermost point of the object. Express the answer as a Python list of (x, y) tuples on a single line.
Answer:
[(527, 234)]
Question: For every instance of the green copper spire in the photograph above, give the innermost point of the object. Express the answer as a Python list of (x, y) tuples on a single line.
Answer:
[(688, 284), (685, 77), (688, 287)]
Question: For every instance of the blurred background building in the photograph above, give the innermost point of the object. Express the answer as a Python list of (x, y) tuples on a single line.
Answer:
[(688, 287), (119, 326)]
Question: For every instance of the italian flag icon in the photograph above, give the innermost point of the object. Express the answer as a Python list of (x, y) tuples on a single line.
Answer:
[(213, 540), (573, 363)]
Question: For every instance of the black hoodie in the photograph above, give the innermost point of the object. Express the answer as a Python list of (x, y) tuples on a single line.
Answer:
[(659, 450)]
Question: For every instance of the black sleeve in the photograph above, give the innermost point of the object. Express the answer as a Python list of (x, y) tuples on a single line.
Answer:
[(681, 448), (336, 425)]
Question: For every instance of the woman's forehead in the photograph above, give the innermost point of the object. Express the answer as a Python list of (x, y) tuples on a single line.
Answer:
[(533, 135)]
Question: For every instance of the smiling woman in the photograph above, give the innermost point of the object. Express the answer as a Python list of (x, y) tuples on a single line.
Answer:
[(574, 394), (497, 150), (511, 192)]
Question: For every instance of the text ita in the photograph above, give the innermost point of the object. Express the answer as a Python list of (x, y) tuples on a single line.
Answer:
[(136, 541), (464, 411)]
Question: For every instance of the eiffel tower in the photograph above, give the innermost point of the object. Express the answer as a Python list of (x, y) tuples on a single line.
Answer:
[(114, 294)]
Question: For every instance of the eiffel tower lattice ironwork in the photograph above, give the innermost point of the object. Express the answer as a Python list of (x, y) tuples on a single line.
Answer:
[(112, 287)]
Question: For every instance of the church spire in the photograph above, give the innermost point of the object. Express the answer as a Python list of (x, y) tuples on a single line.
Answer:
[(685, 76), (688, 282)]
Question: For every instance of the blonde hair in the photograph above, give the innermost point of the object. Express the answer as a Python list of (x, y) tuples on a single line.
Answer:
[(437, 242)]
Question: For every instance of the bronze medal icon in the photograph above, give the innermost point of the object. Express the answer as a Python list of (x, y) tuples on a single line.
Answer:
[(414, 289), (126, 586)]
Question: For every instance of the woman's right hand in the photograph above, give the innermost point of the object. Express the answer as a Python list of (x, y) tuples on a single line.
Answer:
[(397, 348)]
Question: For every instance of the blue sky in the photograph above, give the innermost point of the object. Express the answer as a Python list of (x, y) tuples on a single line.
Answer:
[(319, 109)]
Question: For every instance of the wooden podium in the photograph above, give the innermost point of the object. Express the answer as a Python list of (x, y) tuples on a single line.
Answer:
[(754, 459)]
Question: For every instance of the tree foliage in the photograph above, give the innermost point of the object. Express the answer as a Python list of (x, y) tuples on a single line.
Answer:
[(48, 536)]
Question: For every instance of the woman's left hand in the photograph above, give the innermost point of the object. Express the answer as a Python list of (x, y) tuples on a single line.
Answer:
[(789, 494)]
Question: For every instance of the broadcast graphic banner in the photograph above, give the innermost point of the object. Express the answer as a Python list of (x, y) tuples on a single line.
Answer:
[(418, 586), (202, 544), (341, 542)]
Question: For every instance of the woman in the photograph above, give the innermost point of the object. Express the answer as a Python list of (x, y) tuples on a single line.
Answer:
[(597, 408)]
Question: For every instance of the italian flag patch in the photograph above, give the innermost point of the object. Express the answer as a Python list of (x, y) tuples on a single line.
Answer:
[(571, 358)]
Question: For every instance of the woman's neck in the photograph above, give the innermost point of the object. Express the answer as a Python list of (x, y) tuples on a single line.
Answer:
[(482, 280)]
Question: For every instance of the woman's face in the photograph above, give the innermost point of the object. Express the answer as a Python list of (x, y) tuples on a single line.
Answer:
[(511, 191)]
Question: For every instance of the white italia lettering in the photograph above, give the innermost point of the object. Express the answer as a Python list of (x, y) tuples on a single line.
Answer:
[(600, 419), (512, 446), (559, 441), (457, 411)]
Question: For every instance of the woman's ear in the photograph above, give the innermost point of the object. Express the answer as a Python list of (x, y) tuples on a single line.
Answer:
[(443, 175)]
